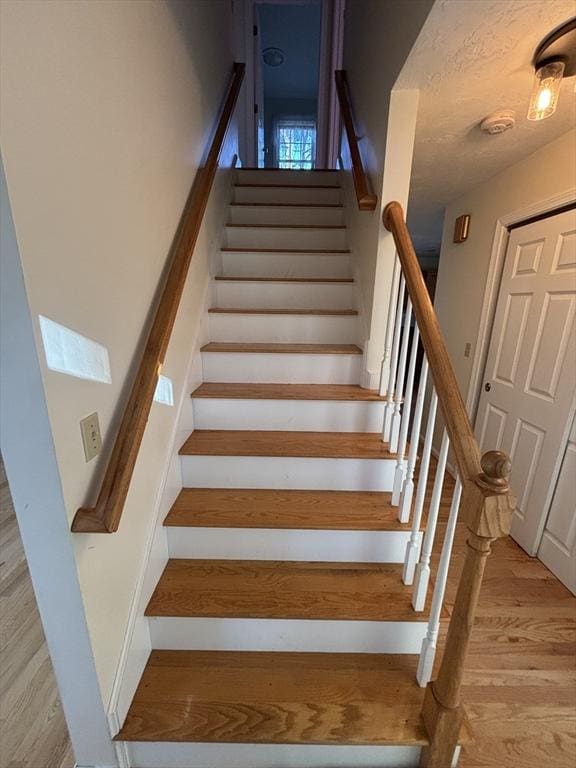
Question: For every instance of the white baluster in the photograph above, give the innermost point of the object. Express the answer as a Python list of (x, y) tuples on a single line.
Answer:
[(385, 377), (399, 388), (400, 473), (408, 487), (413, 546), (389, 408), (428, 652), (423, 567)]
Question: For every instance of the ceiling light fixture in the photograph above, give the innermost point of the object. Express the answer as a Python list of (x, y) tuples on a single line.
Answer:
[(554, 59), (273, 57)]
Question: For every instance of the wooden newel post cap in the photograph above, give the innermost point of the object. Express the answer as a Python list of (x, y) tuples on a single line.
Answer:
[(496, 468)]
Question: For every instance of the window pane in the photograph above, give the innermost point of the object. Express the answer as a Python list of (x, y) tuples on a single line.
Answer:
[(296, 142)]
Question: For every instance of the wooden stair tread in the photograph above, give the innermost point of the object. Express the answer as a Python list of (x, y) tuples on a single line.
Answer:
[(226, 278), (243, 391), (287, 205), (281, 698), (284, 509), (292, 186), (278, 348), (275, 311), (286, 250), (274, 589), (231, 442), (285, 226)]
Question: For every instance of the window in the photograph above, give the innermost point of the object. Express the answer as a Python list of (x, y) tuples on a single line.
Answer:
[(296, 144)]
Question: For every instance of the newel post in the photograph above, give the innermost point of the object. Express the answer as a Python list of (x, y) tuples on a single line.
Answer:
[(487, 507)]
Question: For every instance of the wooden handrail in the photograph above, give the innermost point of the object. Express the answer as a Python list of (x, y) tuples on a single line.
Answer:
[(487, 507), (365, 196), (104, 516)]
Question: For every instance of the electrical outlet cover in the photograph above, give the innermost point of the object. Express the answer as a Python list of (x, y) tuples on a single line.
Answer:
[(91, 438)]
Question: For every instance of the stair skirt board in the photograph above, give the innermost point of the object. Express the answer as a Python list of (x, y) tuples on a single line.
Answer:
[(281, 368), (277, 195), (300, 238), (175, 633), (296, 415), (287, 544), (300, 264), (290, 295), (289, 329), (202, 755), (330, 215), (292, 472)]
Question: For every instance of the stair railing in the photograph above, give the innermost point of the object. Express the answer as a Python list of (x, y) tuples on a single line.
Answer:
[(481, 489), (364, 195), (104, 516)]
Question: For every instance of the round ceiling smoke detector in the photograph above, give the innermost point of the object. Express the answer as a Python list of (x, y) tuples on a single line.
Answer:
[(498, 122)]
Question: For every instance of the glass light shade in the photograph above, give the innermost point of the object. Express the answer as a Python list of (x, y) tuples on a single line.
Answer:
[(546, 89)]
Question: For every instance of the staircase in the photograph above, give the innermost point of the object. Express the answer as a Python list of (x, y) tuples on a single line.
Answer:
[(283, 635)]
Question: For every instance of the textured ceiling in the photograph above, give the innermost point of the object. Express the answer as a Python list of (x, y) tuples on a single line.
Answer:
[(473, 57), (295, 29)]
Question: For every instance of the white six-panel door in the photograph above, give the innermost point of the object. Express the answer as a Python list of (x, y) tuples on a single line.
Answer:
[(529, 381)]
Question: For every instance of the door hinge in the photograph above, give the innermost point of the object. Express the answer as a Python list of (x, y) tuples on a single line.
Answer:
[(255, 109), (254, 30)]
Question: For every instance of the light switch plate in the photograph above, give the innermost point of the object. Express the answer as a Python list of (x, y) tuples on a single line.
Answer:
[(91, 438)]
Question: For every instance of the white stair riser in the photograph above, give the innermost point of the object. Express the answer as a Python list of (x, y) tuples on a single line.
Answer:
[(254, 264), (286, 177), (286, 295), (273, 368), (294, 545), (299, 195), (290, 635), (297, 329), (285, 214), (305, 415), (316, 239), (292, 472), (190, 755)]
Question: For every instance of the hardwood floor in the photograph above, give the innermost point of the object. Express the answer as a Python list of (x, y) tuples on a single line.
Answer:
[(33, 732), (520, 685)]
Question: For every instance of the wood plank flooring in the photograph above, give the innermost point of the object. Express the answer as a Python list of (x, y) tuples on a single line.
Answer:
[(269, 589), (300, 510), (231, 442), (313, 698), (33, 731), (339, 392)]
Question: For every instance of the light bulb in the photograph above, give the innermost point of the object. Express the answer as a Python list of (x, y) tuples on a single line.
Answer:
[(546, 89)]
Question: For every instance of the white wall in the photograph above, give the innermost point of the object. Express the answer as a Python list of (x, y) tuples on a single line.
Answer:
[(463, 269), (379, 35), (107, 108)]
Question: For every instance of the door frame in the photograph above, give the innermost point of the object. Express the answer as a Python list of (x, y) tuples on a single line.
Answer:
[(331, 51), (490, 299)]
